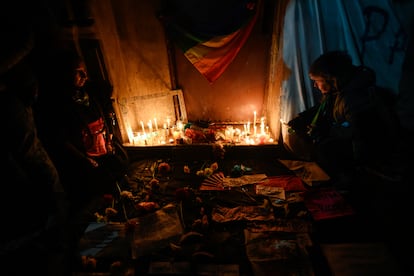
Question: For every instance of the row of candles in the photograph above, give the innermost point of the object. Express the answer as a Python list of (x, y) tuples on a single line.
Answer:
[(262, 126), (169, 134), (246, 137), (150, 125), (153, 135)]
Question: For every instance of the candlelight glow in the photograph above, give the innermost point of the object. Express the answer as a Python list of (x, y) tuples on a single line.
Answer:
[(178, 133)]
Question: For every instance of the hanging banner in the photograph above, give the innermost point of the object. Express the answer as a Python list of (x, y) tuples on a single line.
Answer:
[(212, 35)]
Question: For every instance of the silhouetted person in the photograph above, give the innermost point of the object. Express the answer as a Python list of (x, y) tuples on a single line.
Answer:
[(33, 200)]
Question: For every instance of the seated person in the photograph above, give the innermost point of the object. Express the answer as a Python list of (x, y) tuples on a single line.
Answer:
[(346, 129)]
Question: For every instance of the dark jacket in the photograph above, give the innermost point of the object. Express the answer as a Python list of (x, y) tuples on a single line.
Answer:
[(351, 129), (31, 191), (64, 125), (357, 116)]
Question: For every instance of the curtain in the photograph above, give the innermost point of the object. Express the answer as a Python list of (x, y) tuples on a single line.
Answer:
[(369, 30)]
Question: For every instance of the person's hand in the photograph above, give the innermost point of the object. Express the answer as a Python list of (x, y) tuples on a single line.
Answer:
[(110, 148), (314, 133), (93, 162), (310, 130)]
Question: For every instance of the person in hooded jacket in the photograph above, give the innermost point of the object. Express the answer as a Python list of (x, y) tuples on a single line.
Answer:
[(347, 128)]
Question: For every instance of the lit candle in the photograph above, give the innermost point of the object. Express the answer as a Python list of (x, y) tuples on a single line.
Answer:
[(176, 134), (165, 129), (180, 125), (136, 138), (150, 126), (142, 125), (156, 125), (254, 117), (262, 126)]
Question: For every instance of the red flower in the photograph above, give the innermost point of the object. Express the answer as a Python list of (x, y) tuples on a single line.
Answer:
[(164, 168), (147, 206), (154, 183)]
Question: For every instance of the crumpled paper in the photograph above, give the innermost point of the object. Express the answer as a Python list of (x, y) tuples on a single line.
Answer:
[(308, 171)]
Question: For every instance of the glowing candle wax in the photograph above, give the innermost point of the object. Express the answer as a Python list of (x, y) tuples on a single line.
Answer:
[(156, 125), (142, 125), (150, 126), (262, 126)]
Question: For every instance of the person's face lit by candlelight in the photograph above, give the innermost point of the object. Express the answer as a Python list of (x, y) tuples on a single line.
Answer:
[(322, 84), (80, 75)]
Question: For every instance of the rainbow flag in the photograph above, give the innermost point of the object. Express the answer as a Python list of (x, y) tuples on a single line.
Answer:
[(210, 39)]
